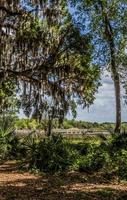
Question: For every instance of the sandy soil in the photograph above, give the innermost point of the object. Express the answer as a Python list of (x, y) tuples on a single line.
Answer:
[(16, 184)]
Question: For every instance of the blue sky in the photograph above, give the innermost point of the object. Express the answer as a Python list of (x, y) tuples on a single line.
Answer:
[(103, 109)]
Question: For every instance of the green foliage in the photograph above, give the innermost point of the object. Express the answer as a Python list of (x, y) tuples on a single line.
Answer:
[(93, 162), (11, 147), (95, 158), (119, 142), (9, 143), (100, 14), (108, 156), (26, 124), (52, 155), (105, 20), (55, 154), (48, 58), (33, 124), (8, 102), (121, 164)]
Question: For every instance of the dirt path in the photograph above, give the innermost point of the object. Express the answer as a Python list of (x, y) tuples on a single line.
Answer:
[(17, 185)]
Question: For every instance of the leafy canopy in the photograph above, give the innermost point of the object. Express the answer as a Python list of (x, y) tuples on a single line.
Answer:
[(48, 57)]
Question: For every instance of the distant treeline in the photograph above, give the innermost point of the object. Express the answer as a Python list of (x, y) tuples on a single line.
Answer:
[(67, 124)]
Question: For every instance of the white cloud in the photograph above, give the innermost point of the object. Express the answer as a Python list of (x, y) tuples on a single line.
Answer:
[(103, 108)]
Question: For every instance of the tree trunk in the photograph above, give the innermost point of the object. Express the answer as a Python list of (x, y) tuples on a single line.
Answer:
[(118, 105), (116, 79), (114, 69), (49, 128)]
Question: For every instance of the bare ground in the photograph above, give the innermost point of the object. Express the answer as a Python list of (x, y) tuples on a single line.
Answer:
[(20, 185)]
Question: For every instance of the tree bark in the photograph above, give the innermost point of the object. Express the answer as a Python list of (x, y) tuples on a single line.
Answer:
[(118, 105), (114, 68), (116, 80)]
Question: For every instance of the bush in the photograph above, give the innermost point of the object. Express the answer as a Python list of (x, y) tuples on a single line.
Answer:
[(110, 157), (26, 124), (81, 148), (10, 146), (52, 155), (55, 154), (93, 161), (121, 162), (118, 142)]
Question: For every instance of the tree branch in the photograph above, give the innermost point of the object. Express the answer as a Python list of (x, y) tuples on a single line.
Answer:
[(10, 12)]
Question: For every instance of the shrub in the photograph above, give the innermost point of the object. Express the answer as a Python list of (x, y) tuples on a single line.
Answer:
[(93, 161), (52, 155), (26, 124), (118, 142), (10, 146), (119, 163), (81, 148), (122, 165)]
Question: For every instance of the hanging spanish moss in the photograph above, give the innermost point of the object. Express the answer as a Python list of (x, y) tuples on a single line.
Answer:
[(43, 51)]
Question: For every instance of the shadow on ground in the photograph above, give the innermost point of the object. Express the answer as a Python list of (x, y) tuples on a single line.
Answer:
[(17, 185)]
